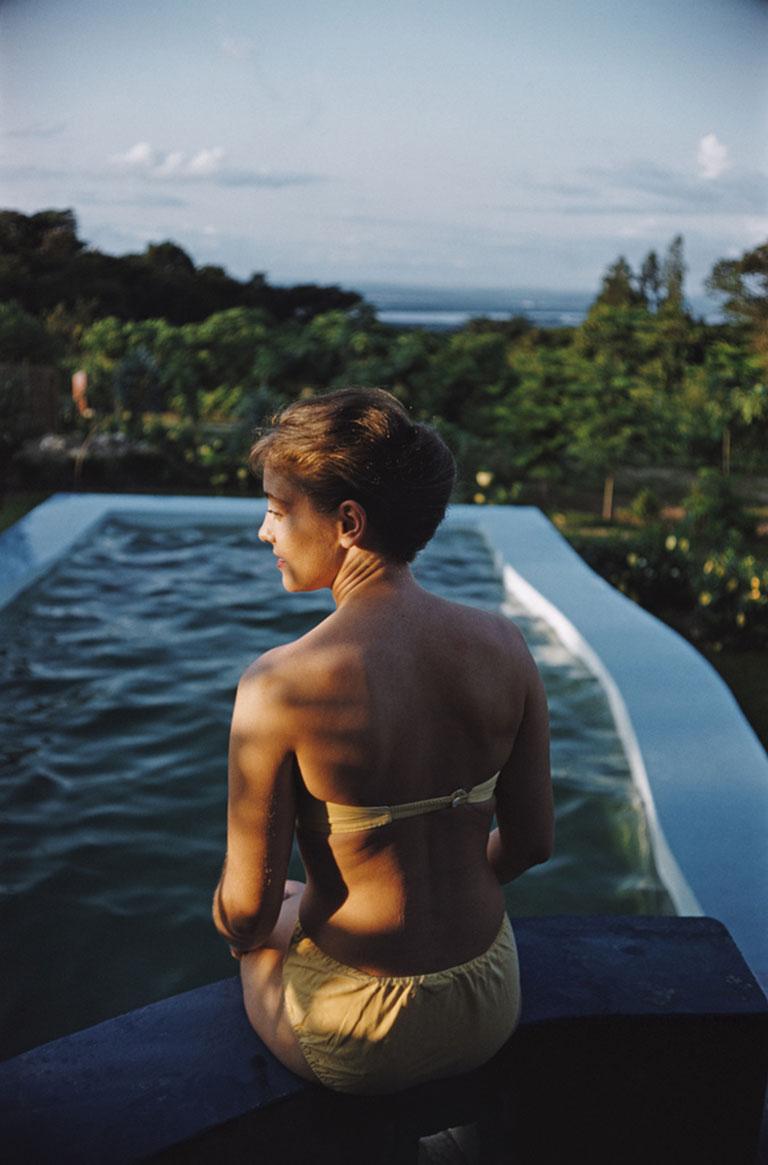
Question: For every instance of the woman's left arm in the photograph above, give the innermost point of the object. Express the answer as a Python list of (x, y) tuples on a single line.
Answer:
[(261, 810)]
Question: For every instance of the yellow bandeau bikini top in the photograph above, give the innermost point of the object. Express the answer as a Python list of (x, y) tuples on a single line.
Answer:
[(332, 817)]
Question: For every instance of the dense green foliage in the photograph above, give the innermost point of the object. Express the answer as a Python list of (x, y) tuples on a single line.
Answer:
[(700, 572), (190, 360)]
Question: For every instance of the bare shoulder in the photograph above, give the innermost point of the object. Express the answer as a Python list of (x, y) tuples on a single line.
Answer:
[(264, 686), (265, 671), (286, 677), (489, 627)]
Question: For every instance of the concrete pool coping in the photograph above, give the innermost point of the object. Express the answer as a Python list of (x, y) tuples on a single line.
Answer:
[(699, 769)]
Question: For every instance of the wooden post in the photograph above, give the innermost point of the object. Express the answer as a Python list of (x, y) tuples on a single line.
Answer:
[(608, 487)]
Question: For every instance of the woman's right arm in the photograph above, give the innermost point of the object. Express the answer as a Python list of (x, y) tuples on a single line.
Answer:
[(524, 836), (261, 809)]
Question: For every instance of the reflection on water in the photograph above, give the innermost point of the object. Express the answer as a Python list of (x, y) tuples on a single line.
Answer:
[(117, 673)]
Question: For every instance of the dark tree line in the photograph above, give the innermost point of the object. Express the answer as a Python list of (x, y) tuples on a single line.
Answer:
[(45, 268)]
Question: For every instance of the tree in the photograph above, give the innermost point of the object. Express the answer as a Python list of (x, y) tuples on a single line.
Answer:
[(104, 344), (618, 286), (137, 386), (744, 282), (470, 374), (621, 412), (673, 276), (534, 423), (737, 394), (650, 280), (615, 423), (671, 331), (23, 337), (44, 264), (169, 259), (226, 345)]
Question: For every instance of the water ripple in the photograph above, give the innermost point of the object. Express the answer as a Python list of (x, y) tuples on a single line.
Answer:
[(117, 675)]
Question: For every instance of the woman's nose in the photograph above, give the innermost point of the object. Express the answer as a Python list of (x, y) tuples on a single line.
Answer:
[(265, 532)]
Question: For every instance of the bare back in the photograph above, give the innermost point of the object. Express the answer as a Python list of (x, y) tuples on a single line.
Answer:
[(399, 697)]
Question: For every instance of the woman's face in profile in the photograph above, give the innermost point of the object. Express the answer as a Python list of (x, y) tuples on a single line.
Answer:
[(304, 540)]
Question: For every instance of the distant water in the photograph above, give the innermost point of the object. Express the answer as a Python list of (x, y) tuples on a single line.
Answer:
[(443, 309), (117, 675)]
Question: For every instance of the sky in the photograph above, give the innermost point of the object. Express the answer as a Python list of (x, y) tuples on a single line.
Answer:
[(446, 143)]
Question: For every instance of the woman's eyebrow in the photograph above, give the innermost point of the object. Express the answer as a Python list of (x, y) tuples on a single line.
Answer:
[(274, 498)]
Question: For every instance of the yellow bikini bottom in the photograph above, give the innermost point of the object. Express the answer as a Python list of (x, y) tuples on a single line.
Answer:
[(374, 1034)]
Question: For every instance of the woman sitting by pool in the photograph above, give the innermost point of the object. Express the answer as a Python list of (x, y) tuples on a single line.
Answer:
[(386, 737)]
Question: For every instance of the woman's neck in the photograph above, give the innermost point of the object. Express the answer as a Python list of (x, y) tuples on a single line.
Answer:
[(364, 573)]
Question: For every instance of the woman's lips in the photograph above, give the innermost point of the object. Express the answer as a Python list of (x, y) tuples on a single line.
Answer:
[(280, 563)]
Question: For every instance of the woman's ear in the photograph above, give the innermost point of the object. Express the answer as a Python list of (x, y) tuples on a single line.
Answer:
[(353, 521)]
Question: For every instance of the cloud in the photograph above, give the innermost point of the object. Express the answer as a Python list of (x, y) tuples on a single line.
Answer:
[(645, 188), (157, 179), (206, 162), (170, 164), (141, 155), (205, 165), (712, 157), (143, 158), (37, 130)]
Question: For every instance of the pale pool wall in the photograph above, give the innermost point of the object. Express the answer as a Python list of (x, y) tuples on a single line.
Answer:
[(698, 766)]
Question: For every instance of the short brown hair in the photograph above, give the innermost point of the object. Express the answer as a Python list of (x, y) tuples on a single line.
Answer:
[(360, 444)]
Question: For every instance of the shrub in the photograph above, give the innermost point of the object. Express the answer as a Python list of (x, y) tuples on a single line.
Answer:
[(655, 569), (646, 505), (731, 600), (722, 596), (713, 512)]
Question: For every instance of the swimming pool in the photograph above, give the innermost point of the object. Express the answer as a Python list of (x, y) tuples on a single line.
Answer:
[(118, 669)]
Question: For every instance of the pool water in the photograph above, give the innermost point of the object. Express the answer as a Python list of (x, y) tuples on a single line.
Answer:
[(118, 671)]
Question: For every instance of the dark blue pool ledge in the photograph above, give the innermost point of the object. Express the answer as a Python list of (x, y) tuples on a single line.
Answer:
[(698, 767), (645, 1033)]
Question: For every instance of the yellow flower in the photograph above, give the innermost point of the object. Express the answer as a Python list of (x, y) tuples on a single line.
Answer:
[(685, 545), (478, 499), (754, 582), (671, 542), (709, 566), (705, 598), (632, 559), (741, 619), (732, 584), (483, 478), (242, 473)]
